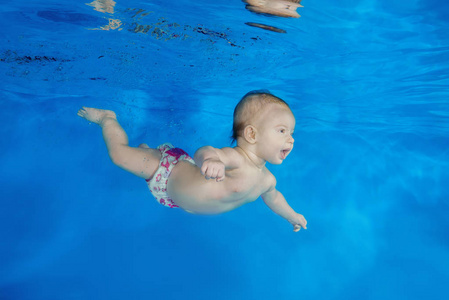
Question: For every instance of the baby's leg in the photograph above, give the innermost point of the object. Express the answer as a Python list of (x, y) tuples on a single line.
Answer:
[(142, 161)]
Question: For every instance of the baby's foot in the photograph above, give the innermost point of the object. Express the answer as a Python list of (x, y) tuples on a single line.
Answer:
[(96, 115)]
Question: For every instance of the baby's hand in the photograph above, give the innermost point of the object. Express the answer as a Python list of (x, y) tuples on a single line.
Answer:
[(298, 221), (213, 168)]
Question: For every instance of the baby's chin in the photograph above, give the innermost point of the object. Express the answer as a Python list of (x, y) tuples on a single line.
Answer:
[(276, 162)]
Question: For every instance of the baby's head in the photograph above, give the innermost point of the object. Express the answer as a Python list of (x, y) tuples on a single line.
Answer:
[(250, 107)]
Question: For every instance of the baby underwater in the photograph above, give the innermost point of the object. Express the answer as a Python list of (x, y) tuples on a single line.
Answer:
[(215, 180)]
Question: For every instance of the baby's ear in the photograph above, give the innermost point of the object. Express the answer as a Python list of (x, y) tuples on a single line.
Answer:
[(249, 133)]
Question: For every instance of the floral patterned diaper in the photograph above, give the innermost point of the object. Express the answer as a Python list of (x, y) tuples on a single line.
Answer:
[(158, 184)]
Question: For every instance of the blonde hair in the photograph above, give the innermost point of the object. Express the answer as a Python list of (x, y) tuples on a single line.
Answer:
[(249, 106)]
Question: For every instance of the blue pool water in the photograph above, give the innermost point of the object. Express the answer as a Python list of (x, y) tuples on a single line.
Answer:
[(367, 81)]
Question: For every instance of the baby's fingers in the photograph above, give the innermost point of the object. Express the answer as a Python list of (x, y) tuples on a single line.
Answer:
[(300, 221), (204, 169), (304, 223), (220, 175), (209, 172), (212, 173), (296, 228)]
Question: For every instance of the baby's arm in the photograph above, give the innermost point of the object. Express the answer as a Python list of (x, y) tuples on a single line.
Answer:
[(277, 203), (213, 162)]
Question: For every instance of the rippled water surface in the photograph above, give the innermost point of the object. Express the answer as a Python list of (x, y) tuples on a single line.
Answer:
[(368, 84)]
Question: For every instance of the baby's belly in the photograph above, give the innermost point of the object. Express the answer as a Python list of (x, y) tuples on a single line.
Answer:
[(188, 188)]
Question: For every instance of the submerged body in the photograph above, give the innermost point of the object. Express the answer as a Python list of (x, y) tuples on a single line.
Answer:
[(216, 180), (196, 194)]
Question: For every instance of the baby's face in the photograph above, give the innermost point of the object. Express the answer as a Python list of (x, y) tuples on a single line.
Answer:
[(275, 127)]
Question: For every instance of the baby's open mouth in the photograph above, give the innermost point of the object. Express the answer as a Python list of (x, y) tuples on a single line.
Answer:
[(284, 153)]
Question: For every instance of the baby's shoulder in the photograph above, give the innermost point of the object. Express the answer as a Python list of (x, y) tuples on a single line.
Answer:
[(233, 153), (267, 181), (230, 157), (269, 178)]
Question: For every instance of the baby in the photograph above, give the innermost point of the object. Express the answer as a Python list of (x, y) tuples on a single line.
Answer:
[(215, 180)]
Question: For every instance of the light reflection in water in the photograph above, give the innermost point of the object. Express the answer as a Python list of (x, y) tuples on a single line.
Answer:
[(279, 8), (106, 6)]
